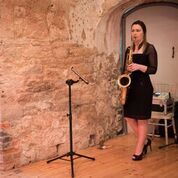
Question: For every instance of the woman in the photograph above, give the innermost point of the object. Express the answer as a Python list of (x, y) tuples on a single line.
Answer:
[(137, 109)]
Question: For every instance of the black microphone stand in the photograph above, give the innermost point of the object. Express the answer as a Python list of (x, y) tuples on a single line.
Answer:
[(71, 153)]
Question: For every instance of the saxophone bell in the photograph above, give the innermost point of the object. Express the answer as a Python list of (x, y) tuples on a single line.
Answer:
[(124, 80)]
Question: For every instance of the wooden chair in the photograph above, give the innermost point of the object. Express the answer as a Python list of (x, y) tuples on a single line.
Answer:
[(167, 114)]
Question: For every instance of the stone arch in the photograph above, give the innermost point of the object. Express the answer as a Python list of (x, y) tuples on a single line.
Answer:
[(109, 32)]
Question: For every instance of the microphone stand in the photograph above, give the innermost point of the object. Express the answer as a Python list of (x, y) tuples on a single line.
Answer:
[(71, 153)]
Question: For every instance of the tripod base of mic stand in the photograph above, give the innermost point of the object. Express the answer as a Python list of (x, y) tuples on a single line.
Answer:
[(71, 154), (175, 142), (164, 146)]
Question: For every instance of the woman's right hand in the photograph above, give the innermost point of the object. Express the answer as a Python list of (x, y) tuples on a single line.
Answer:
[(134, 66)]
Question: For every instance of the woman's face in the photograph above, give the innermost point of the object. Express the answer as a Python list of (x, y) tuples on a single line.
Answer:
[(137, 33)]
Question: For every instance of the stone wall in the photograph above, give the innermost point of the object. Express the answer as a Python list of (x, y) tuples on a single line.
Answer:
[(36, 55)]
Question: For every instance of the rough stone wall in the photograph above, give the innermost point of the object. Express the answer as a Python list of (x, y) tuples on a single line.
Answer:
[(36, 54)]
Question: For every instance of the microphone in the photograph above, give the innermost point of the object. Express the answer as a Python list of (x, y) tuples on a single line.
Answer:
[(83, 79)]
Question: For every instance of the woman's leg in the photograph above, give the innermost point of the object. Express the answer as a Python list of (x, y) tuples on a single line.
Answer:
[(142, 135), (133, 124)]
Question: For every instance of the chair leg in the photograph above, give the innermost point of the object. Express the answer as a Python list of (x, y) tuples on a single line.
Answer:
[(166, 131), (174, 128), (153, 131)]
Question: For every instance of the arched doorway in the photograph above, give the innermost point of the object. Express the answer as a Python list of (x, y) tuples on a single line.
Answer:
[(161, 20)]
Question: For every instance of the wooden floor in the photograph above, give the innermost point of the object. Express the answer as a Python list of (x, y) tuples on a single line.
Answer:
[(112, 162)]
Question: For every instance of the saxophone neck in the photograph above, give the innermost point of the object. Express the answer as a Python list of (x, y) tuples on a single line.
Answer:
[(130, 55)]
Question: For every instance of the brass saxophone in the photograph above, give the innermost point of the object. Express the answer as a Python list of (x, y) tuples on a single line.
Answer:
[(124, 80)]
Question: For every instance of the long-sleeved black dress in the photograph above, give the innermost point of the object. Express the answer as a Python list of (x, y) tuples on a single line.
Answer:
[(140, 92)]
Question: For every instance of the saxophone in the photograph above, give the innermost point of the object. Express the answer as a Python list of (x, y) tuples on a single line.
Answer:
[(124, 80)]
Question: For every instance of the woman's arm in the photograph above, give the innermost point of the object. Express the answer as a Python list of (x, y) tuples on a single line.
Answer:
[(152, 59)]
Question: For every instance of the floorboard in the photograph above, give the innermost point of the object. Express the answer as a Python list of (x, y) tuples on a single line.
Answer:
[(112, 162)]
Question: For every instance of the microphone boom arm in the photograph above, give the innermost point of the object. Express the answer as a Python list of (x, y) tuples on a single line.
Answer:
[(80, 77)]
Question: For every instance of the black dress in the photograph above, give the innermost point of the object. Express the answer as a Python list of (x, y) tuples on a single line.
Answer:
[(140, 92)]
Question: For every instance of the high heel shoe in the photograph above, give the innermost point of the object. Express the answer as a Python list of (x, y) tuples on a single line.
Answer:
[(137, 157), (144, 151), (145, 148), (149, 143)]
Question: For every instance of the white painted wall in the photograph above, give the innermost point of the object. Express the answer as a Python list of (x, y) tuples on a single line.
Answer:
[(162, 28)]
